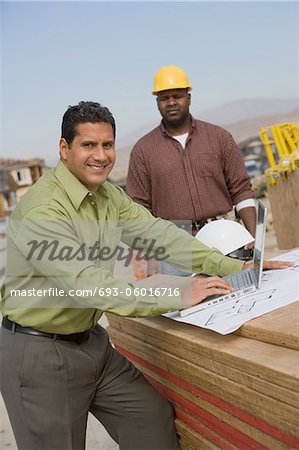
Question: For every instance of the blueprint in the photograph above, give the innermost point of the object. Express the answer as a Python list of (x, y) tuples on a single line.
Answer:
[(278, 288)]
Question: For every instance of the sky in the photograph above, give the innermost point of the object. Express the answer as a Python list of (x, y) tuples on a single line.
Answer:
[(54, 54)]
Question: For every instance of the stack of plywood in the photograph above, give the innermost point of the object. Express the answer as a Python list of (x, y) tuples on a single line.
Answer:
[(236, 391), (285, 210)]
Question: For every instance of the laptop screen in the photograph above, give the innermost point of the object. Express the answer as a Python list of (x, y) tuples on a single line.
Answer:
[(260, 236)]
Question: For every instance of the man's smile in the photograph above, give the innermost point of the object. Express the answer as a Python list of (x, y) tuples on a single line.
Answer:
[(97, 167)]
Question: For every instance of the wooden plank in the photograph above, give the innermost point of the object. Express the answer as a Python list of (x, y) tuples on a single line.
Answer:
[(256, 404), (194, 435), (265, 387), (280, 327), (205, 348), (191, 440), (279, 414), (269, 442), (260, 439), (287, 438), (285, 210)]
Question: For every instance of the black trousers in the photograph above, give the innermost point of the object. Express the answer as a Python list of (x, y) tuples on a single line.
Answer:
[(49, 386)]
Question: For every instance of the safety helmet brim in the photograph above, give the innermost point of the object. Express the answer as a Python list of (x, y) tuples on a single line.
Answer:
[(187, 88), (225, 235), (170, 77)]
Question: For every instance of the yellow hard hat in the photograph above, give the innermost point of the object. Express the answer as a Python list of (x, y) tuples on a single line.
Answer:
[(170, 77)]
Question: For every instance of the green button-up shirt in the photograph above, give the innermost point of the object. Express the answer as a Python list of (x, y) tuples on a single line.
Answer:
[(62, 245)]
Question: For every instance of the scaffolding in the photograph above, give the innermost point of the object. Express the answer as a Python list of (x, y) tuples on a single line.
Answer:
[(281, 143)]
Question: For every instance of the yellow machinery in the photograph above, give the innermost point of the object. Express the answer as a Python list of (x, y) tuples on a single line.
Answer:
[(281, 142)]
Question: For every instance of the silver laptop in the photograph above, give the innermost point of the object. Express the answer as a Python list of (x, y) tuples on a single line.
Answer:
[(245, 281)]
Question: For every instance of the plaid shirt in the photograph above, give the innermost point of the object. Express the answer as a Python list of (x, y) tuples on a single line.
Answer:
[(203, 180)]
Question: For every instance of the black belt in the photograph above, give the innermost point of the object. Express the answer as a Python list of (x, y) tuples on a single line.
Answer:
[(194, 227), (16, 328), (189, 226)]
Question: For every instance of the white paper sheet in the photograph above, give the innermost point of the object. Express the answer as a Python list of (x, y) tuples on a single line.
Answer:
[(278, 288)]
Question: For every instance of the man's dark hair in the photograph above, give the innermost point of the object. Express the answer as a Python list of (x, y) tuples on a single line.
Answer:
[(82, 113)]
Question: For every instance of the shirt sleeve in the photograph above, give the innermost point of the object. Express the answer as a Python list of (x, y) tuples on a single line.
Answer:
[(46, 255), (138, 183), (161, 237)]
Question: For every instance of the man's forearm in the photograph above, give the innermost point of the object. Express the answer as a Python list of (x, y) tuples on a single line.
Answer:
[(248, 217)]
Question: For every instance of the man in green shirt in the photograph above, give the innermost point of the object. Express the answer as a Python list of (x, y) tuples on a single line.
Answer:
[(62, 243)]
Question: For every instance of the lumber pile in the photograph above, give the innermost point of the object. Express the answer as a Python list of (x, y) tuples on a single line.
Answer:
[(285, 210), (239, 391)]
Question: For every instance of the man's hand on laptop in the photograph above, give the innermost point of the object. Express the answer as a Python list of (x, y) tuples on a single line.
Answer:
[(201, 288), (270, 265)]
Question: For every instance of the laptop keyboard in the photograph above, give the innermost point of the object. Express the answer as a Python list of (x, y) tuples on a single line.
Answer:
[(240, 280)]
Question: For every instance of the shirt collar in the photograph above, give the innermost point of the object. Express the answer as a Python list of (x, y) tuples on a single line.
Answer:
[(165, 132), (73, 187)]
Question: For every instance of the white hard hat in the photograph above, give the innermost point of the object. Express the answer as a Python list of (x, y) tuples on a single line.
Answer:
[(225, 235)]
